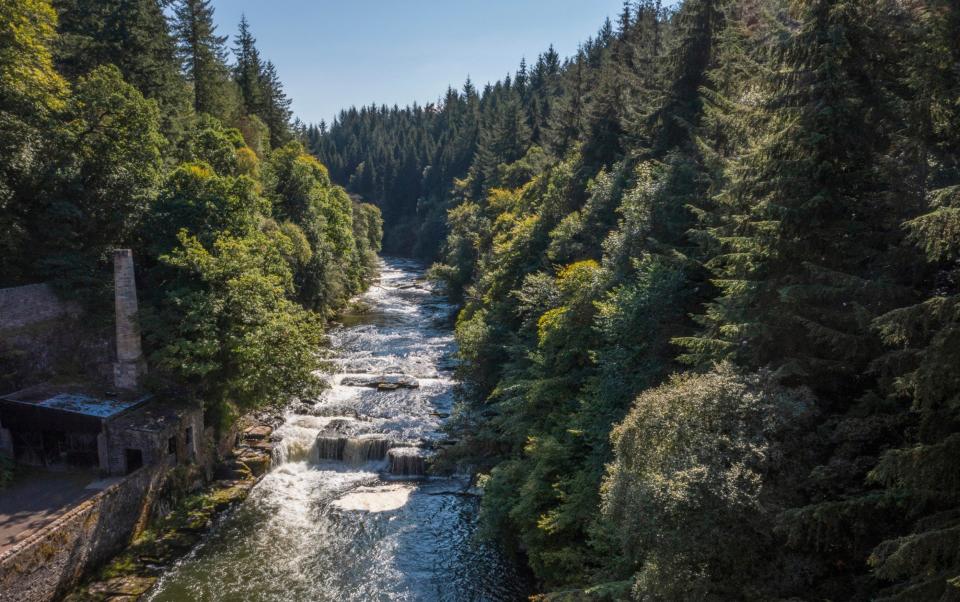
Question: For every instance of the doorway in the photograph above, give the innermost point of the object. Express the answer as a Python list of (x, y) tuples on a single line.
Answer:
[(134, 459)]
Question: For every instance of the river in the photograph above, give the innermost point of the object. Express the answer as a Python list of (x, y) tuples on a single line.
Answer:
[(336, 519)]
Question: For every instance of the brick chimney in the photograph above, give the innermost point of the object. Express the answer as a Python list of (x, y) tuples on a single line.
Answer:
[(130, 364)]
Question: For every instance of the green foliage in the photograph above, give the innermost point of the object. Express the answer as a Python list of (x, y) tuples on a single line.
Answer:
[(108, 173), (232, 332), (30, 97), (134, 36), (698, 471), (226, 321), (343, 235), (196, 198)]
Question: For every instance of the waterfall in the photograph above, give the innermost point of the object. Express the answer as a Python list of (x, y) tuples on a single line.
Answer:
[(330, 447), (408, 461), (299, 438), (366, 448), (296, 446), (356, 450)]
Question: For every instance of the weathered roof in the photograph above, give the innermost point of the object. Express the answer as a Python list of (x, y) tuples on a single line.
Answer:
[(155, 417), (75, 400)]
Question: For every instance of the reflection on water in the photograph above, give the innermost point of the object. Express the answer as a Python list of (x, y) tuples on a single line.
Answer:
[(329, 522)]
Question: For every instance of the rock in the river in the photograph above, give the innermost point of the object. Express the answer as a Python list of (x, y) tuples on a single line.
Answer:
[(257, 433), (257, 461), (123, 586), (383, 382), (332, 409)]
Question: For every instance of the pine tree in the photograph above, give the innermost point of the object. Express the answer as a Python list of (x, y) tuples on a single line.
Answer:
[(696, 26), (567, 121), (203, 54), (276, 111), (247, 69), (924, 338), (809, 212)]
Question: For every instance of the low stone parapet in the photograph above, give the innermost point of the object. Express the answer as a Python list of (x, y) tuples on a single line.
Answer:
[(51, 561)]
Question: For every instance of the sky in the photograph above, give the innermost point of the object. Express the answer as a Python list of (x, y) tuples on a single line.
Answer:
[(333, 54)]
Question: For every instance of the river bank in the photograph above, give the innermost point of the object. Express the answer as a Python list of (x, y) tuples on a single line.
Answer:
[(186, 509)]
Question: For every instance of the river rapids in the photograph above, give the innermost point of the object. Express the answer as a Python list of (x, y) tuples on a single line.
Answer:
[(347, 512)]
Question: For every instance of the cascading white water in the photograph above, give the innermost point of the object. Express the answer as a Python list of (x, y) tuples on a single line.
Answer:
[(330, 522), (408, 461), (298, 438)]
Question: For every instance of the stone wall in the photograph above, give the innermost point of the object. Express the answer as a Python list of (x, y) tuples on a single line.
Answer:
[(42, 336), (52, 561), (150, 430), (23, 306)]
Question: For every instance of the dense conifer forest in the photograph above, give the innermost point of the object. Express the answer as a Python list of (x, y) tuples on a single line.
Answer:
[(130, 124), (708, 267)]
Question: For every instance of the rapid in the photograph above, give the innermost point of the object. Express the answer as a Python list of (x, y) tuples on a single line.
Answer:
[(347, 511)]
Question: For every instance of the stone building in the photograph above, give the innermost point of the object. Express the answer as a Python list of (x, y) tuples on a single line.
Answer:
[(116, 429), (75, 427), (154, 433)]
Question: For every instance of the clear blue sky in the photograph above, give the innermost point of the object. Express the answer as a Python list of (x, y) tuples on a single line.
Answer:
[(332, 54)]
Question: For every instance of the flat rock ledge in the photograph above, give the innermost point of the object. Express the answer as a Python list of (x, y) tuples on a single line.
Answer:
[(385, 382)]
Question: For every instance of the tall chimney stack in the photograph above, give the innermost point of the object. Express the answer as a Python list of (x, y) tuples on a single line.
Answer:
[(130, 364)]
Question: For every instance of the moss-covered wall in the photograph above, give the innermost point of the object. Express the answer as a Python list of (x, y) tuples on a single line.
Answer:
[(43, 337), (53, 560)]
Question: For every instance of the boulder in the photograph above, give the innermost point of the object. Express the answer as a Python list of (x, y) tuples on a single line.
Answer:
[(257, 461), (132, 586)]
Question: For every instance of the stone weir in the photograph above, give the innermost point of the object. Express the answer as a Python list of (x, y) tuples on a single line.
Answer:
[(357, 450), (316, 432)]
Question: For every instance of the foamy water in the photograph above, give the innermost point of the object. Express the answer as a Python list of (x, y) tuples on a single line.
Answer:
[(330, 522)]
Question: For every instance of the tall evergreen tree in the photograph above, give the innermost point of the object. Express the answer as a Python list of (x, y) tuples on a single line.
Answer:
[(808, 210), (924, 338), (247, 69), (203, 54), (275, 111)]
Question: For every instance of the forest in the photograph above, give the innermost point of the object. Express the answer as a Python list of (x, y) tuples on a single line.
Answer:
[(126, 124), (709, 271)]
